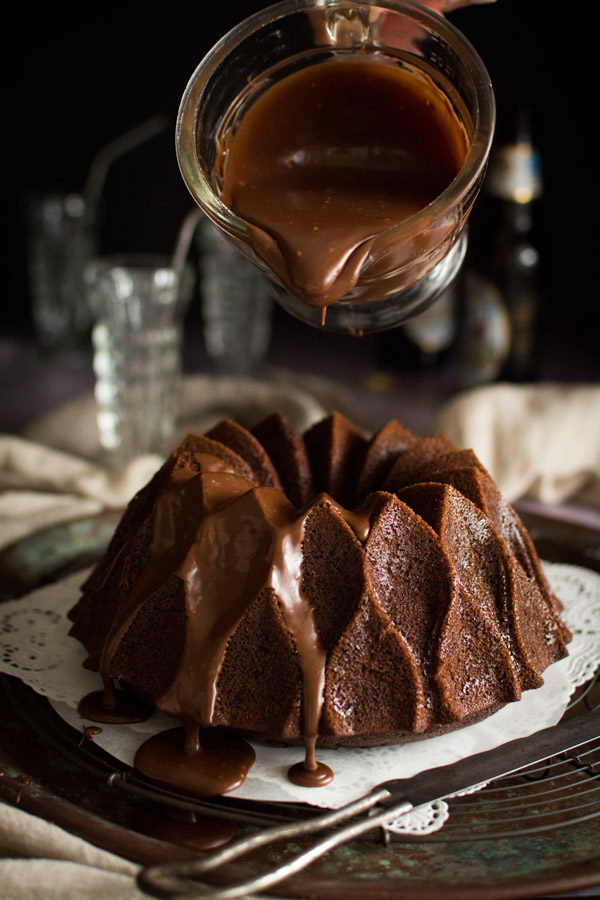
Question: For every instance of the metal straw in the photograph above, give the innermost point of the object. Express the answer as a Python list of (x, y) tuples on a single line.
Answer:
[(118, 147)]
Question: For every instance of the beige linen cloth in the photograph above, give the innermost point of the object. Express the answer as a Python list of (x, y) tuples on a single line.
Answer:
[(543, 441), (40, 861), (40, 487)]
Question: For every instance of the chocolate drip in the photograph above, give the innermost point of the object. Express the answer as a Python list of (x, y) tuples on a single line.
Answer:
[(112, 706), (303, 777), (89, 733), (203, 765), (310, 772), (286, 578)]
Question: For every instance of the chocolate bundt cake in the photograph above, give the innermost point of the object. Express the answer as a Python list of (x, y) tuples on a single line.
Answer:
[(359, 590)]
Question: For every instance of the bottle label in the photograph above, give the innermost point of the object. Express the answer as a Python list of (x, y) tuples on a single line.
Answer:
[(515, 173)]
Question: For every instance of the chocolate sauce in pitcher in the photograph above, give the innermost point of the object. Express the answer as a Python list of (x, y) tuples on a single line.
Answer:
[(329, 157)]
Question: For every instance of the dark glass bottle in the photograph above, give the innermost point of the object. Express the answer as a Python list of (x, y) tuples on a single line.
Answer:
[(510, 258)]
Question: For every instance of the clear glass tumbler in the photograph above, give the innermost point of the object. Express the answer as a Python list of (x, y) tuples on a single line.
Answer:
[(408, 264), (237, 309), (62, 240), (138, 305)]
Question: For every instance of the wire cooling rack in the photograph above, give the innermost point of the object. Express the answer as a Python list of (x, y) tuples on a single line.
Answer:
[(563, 791)]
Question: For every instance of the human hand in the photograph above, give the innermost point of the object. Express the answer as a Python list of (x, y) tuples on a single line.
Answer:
[(446, 6)]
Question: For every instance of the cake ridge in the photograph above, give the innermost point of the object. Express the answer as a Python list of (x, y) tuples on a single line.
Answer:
[(478, 554), (466, 617), (350, 721)]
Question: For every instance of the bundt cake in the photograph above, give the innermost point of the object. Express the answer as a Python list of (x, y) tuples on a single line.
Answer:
[(321, 586)]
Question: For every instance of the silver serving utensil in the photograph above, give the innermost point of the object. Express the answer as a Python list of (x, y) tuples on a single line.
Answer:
[(394, 798)]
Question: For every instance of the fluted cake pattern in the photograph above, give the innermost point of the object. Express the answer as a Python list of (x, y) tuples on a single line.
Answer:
[(365, 590)]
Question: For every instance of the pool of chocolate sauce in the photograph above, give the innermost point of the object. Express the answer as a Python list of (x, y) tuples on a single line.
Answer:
[(331, 156)]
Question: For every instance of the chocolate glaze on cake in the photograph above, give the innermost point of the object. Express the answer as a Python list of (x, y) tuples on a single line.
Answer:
[(320, 587)]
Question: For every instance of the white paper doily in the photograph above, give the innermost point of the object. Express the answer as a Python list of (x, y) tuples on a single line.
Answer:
[(35, 647)]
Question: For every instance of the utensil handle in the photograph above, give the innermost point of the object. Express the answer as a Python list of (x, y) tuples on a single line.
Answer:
[(506, 759), (182, 879)]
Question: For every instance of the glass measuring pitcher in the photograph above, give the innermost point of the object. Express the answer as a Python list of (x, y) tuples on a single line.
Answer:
[(390, 259)]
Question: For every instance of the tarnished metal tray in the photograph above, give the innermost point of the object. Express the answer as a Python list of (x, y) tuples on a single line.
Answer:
[(523, 837)]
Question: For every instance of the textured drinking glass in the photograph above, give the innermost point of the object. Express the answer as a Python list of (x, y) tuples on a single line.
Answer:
[(138, 304), (409, 264), (237, 308), (62, 240)]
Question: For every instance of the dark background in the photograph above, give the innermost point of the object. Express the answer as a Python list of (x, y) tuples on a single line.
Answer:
[(75, 80)]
